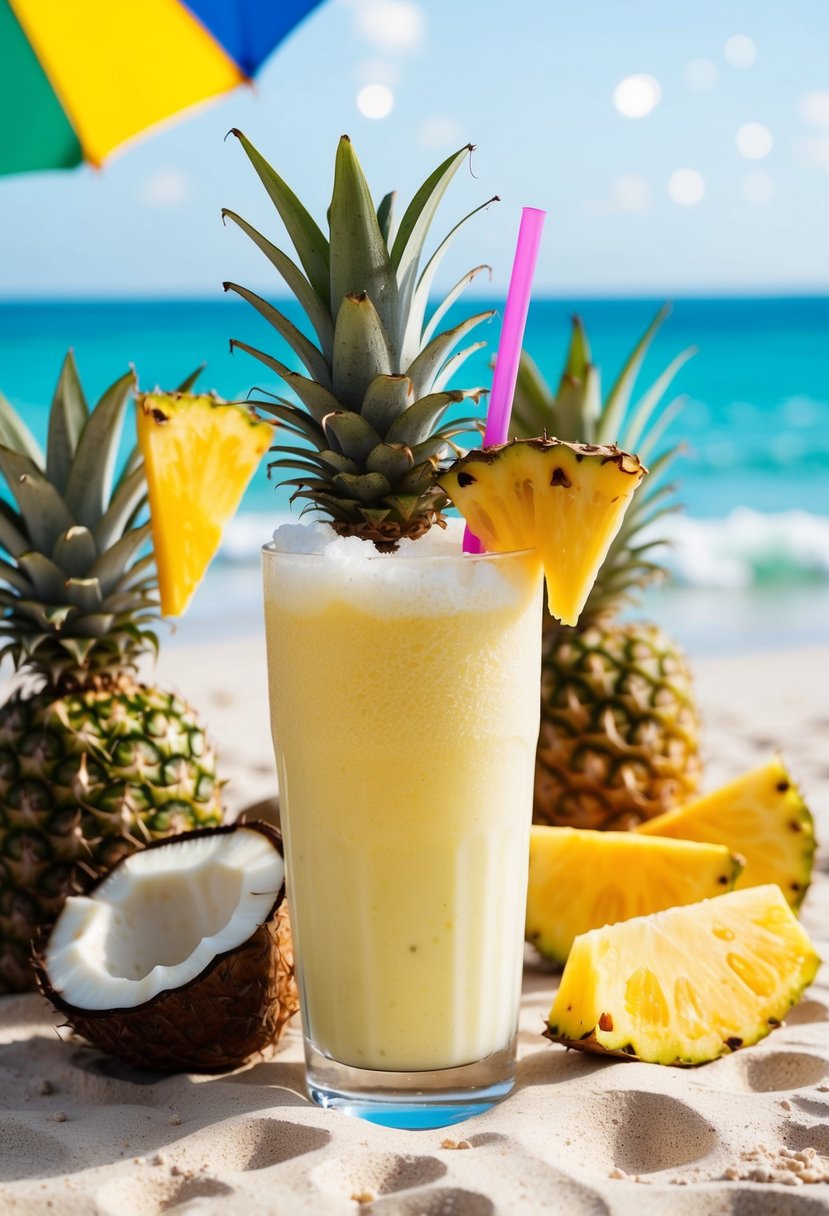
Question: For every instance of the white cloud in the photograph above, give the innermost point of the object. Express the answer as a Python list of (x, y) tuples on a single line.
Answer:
[(392, 25), (440, 131), (636, 96), (754, 140), (740, 51), (165, 188), (701, 75), (814, 108), (686, 187)]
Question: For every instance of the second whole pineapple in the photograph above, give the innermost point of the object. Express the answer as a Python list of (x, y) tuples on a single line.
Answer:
[(93, 763), (619, 728)]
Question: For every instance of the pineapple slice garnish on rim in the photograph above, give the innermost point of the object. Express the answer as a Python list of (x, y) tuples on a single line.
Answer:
[(565, 500), (581, 880), (686, 985), (200, 453)]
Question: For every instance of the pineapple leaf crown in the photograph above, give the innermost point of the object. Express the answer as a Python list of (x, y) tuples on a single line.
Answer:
[(576, 412), (371, 428), (76, 591)]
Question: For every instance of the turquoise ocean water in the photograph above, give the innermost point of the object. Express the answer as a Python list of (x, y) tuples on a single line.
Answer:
[(750, 552)]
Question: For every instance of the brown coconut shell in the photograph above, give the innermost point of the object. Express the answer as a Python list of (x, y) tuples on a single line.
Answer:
[(235, 1009)]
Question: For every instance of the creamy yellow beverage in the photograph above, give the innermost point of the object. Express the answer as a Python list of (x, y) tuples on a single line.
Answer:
[(404, 705)]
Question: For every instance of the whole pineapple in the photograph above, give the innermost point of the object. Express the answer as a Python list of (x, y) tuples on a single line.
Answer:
[(371, 429), (93, 764), (618, 742)]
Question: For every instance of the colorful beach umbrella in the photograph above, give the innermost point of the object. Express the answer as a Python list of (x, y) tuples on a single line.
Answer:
[(78, 78)]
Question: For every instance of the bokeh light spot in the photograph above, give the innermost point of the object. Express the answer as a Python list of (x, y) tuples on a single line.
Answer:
[(392, 25), (636, 96), (740, 51), (814, 108), (686, 187), (754, 140), (375, 101)]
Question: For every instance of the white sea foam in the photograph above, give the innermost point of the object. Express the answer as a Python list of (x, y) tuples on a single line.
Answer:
[(744, 549)]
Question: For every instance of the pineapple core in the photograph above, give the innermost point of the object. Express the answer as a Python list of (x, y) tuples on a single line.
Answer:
[(200, 453), (565, 500)]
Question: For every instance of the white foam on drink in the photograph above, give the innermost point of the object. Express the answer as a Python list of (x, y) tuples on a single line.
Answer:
[(428, 576)]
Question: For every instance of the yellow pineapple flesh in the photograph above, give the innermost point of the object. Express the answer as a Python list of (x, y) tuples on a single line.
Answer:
[(760, 815), (565, 500), (581, 880), (200, 453), (686, 985)]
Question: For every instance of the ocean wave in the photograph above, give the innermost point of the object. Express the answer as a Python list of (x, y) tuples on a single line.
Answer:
[(743, 549)]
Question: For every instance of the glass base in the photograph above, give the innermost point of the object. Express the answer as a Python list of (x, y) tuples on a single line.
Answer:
[(411, 1100)]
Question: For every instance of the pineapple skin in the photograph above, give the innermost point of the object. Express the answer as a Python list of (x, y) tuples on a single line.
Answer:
[(86, 777), (618, 742)]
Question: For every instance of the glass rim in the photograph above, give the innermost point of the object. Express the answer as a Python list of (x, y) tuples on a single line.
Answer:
[(269, 550)]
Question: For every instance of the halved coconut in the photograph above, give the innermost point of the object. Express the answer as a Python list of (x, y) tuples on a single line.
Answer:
[(180, 958)]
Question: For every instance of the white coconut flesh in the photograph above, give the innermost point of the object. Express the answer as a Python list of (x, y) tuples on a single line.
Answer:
[(161, 918)]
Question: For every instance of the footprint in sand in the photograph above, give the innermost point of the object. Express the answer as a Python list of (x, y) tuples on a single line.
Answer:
[(765, 1072), (143, 1196), (375, 1174), (255, 1144), (653, 1132)]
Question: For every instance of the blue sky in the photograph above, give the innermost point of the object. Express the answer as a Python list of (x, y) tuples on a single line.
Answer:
[(722, 186)]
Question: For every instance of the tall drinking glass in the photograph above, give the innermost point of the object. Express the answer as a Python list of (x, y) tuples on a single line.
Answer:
[(404, 706)]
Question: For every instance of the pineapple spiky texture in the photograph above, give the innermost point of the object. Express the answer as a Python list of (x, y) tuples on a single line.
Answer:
[(619, 729), (93, 763), (366, 441)]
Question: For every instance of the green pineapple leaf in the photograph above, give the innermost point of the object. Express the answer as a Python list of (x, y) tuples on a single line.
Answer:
[(308, 299), (385, 399), (312, 358), (385, 215), (419, 421), (16, 435), (311, 246), (129, 497), (424, 368), (361, 350), (619, 396), (75, 551), (90, 479), (188, 381), (67, 420), (45, 513), (452, 364), (12, 528), (414, 228), (413, 337), (354, 436), (360, 264), (644, 409), (109, 567)]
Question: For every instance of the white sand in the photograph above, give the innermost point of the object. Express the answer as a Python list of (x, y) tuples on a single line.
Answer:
[(80, 1133)]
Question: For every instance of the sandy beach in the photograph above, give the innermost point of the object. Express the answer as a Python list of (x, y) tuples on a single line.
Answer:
[(747, 1135)]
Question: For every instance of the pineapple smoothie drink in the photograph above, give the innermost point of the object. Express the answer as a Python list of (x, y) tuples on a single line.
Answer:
[(404, 703)]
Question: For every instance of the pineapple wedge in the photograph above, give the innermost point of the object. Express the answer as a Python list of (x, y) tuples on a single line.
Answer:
[(686, 985), (200, 453), (581, 880), (760, 815), (565, 500)]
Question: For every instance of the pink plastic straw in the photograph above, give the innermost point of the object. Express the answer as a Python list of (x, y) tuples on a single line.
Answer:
[(512, 337)]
